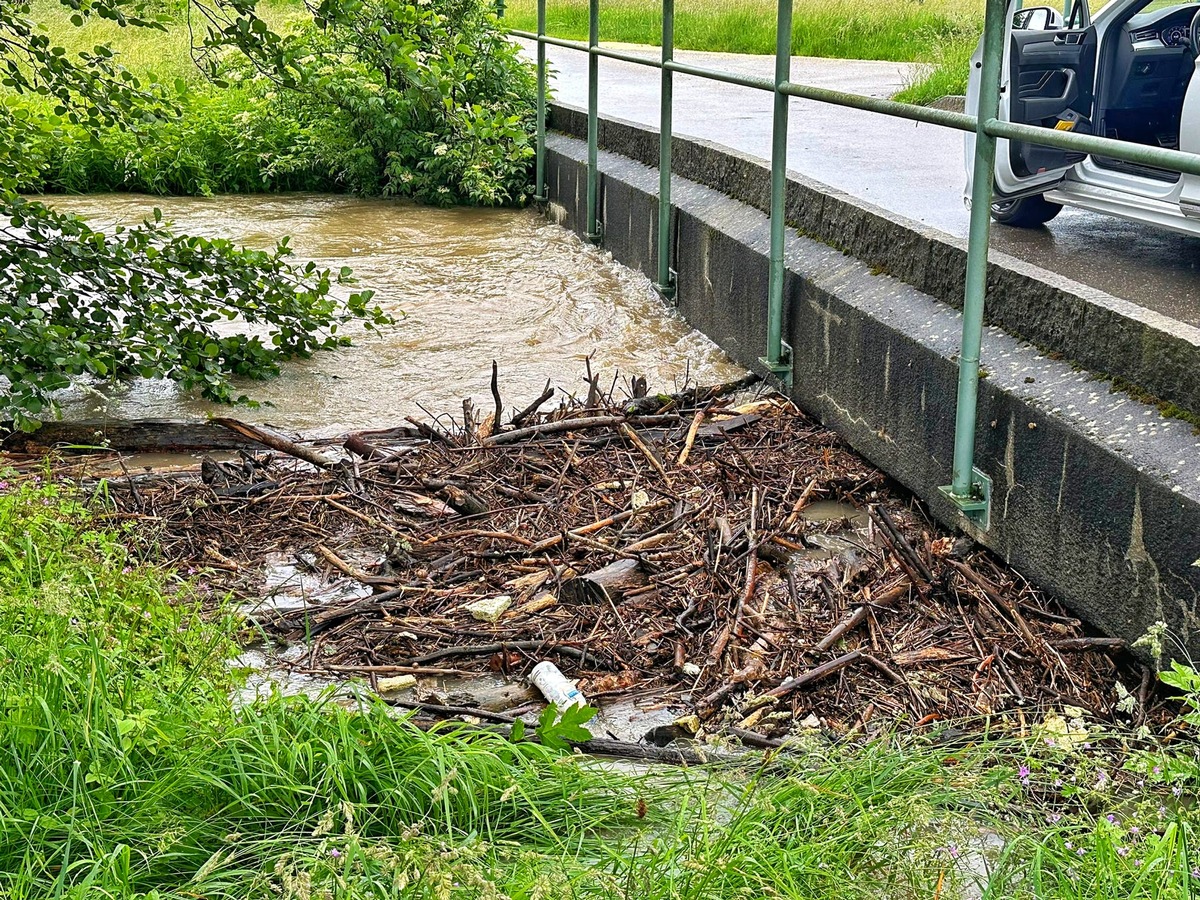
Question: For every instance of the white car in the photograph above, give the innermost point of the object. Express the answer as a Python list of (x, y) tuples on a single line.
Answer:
[(1126, 74)]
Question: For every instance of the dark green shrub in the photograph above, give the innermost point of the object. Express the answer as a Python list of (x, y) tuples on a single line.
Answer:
[(426, 100)]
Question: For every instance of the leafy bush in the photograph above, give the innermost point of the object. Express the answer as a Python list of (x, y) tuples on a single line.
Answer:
[(222, 141), (144, 302), (426, 100)]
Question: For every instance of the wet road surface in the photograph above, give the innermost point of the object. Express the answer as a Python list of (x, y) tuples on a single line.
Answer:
[(909, 168)]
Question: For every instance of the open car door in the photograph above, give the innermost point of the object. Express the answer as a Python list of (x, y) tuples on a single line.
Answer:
[(1049, 80), (1189, 142)]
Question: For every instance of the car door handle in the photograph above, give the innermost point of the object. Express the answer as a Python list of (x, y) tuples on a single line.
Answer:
[(1044, 107), (1068, 38)]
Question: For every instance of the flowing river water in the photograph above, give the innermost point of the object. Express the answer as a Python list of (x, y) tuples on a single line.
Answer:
[(467, 285)]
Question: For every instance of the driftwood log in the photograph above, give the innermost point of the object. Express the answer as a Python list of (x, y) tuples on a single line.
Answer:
[(140, 436), (606, 584)]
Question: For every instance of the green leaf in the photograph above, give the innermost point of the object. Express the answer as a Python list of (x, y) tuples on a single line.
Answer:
[(558, 729)]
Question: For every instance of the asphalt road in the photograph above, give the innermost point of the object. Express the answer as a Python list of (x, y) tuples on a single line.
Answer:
[(912, 169)]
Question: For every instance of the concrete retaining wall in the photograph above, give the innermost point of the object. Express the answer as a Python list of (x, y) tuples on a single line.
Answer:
[(1096, 330), (1097, 496)]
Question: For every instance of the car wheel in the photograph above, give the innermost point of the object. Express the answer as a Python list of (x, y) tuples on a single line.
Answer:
[(1027, 212)]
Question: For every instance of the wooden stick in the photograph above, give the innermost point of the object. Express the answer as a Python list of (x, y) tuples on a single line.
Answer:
[(275, 441), (1090, 643), (691, 437), (856, 618), (437, 709), (496, 395), (600, 525), (429, 431), (753, 738), (800, 503), (340, 564), (532, 407), (362, 517), (511, 437), (816, 674), (389, 670), (634, 439), (503, 647), (751, 566)]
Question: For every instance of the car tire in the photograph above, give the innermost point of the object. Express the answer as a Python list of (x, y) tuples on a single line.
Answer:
[(1027, 212)]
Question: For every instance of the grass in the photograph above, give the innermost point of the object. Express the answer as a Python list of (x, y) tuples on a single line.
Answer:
[(125, 773), (156, 55), (941, 33)]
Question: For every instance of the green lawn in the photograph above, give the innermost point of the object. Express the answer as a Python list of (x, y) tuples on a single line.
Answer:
[(941, 33), (165, 55)]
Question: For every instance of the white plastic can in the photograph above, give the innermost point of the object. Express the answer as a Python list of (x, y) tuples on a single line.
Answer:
[(555, 686)]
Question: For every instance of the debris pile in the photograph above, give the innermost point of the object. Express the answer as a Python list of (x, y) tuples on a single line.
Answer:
[(713, 548)]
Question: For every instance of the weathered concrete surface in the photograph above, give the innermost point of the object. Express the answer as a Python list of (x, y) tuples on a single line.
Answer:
[(913, 170), (1105, 334), (1097, 497)]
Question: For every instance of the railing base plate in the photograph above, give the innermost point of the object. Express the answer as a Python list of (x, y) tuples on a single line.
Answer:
[(780, 369), (977, 507), (667, 291)]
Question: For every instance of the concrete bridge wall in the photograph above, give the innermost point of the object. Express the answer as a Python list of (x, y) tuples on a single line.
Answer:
[(1097, 496)]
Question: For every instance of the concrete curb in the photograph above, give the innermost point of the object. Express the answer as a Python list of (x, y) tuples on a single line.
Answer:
[(1097, 496), (1099, 332)]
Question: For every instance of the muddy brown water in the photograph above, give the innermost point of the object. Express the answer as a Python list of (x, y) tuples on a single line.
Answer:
[(472, 286)]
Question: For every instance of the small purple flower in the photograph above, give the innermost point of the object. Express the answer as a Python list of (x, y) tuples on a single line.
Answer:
[(1080, 852), (1058, 782), (1196, 872), (1177, 790), (1122, 851), (1023, 774), (1054, 818), (1112, 820), (1138, 862), (1157, 770), (3, 485), (1101, 778), (1068, 845), (1135, 831), (335, 853)]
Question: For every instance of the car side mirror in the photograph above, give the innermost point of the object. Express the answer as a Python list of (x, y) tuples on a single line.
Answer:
[(1037, 18)]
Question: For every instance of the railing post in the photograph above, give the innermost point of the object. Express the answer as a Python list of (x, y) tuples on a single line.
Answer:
[(593, 173), (778, 358), (666, 276), (540, 166), (970, 489)]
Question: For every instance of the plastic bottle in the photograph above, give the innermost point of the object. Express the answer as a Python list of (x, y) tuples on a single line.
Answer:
[(555, 686)]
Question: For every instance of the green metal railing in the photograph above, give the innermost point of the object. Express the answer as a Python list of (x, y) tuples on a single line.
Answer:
[(969, 488)]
